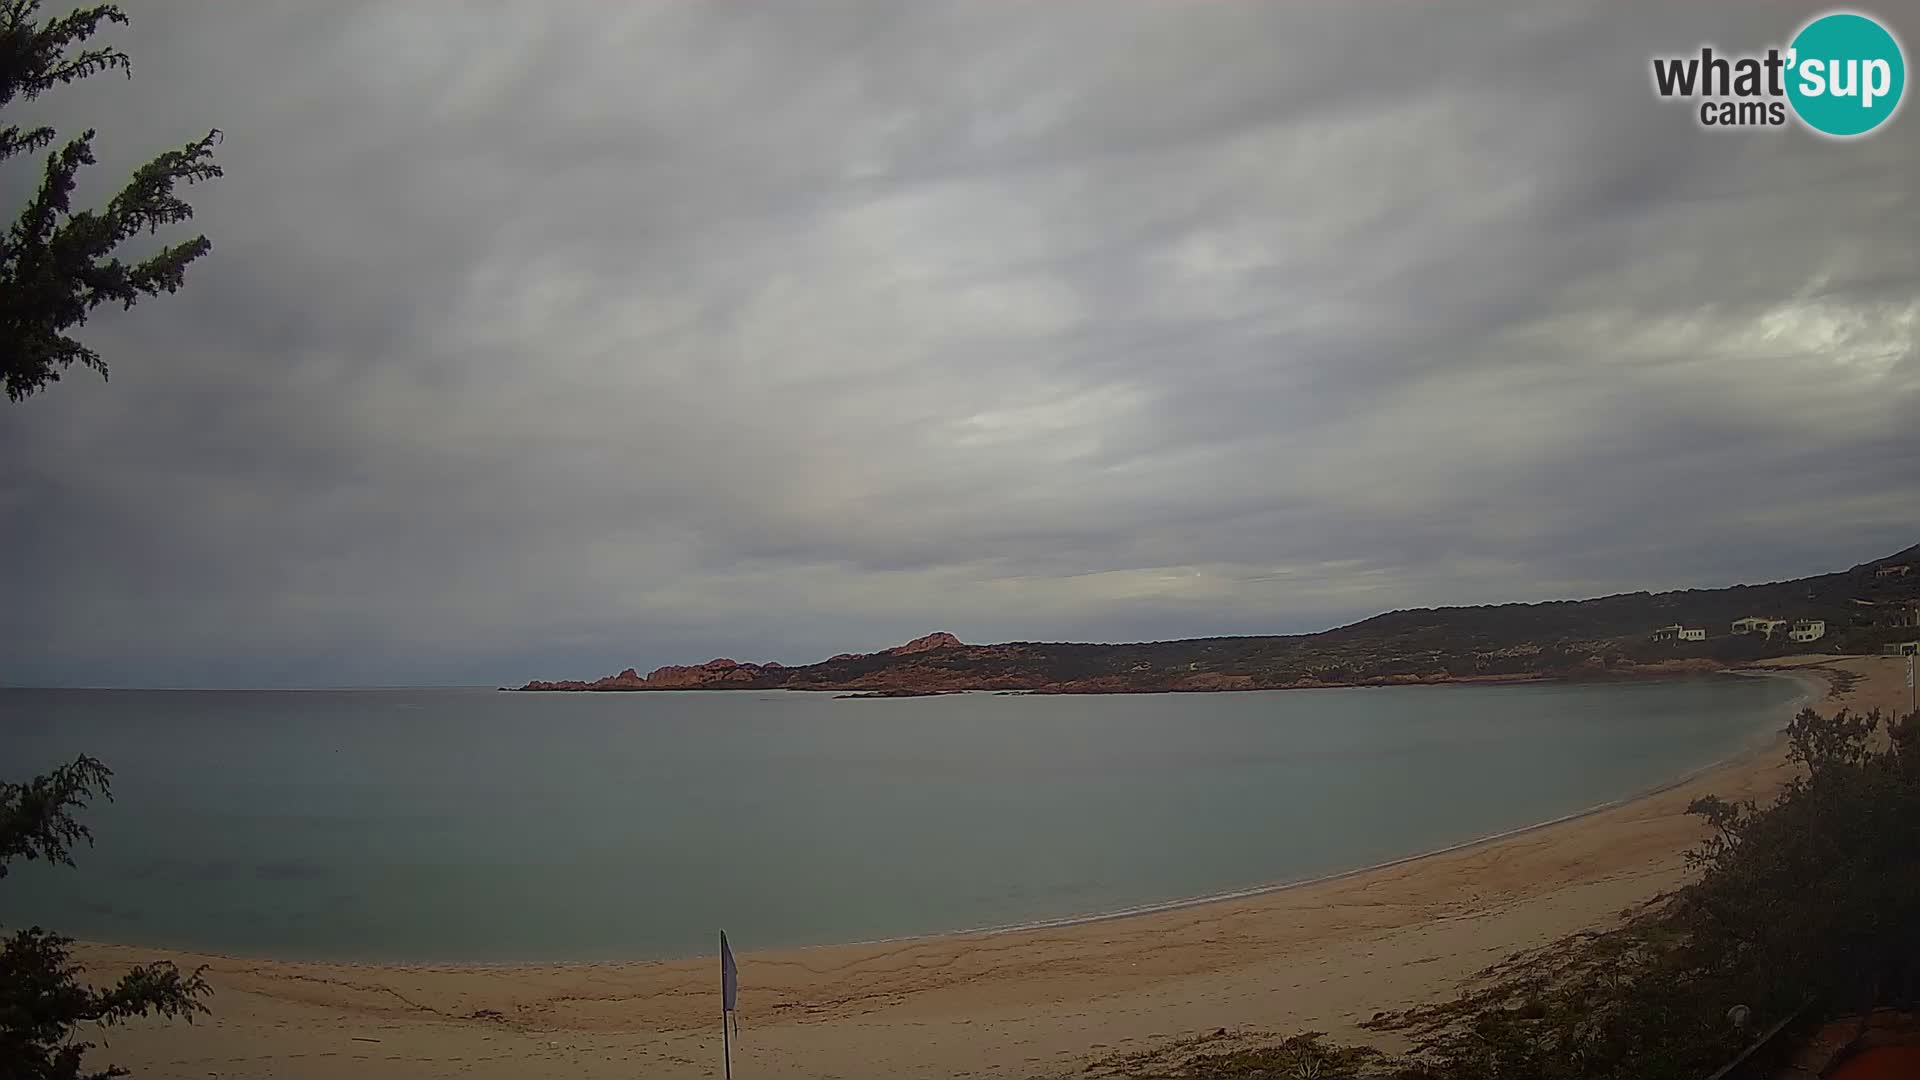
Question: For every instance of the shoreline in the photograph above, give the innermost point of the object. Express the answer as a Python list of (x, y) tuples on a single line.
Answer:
[(1323, 953), (1759, 743)]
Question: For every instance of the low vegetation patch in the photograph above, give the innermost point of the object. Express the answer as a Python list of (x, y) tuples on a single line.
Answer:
[(1806, 907)]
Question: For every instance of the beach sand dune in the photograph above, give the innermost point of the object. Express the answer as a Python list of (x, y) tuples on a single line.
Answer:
[(1322, 956)]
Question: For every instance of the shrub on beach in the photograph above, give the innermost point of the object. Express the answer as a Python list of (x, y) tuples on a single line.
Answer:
[(1805, 908)]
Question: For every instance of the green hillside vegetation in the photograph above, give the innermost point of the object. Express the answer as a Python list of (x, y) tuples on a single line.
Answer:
[(1862, 610)]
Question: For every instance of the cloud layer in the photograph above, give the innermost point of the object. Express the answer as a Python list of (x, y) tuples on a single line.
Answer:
[(544, 340)]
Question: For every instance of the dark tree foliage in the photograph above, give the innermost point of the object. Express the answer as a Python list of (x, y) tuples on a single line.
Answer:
[(35, 818), (45, 1000), (58, 264)]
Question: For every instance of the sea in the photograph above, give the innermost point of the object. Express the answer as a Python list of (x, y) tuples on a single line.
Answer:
[(478, 826)]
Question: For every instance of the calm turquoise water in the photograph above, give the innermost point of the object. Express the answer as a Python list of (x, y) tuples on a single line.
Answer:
[(474, 825)]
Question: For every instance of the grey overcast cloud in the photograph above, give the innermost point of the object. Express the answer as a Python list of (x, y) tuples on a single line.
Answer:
[(540, 340)]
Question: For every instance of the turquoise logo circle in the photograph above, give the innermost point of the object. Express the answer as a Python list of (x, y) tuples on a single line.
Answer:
[(1846, 74)]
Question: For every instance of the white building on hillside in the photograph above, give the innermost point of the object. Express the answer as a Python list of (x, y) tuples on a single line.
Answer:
[(1807, 630), (1756, 624), (1699, 634)]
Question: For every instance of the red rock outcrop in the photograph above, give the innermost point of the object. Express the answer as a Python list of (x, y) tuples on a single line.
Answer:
[(939, 640), (723, 672), (718, 670)]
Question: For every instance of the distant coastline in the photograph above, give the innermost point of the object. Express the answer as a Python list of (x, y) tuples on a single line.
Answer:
[(851, 692), (1630, 635)]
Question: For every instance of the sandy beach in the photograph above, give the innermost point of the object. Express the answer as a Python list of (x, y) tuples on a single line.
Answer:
[(1322, 956)]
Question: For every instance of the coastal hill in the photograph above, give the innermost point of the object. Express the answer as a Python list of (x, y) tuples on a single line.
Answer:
[(1863, 608)]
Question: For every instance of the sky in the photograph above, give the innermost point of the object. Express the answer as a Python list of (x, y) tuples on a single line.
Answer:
[(543, 340)]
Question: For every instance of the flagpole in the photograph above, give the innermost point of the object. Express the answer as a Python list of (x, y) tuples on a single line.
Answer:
[(726, 1042)]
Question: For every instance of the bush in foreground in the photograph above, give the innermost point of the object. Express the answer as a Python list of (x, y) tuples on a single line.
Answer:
[(1807, 906), (45, 1003)]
